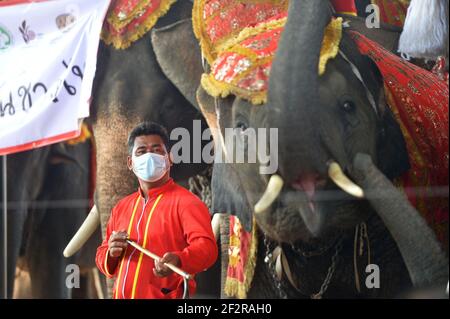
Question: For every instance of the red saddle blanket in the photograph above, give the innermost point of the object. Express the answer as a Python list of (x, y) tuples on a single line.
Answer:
[(419, 100), (128, 20)]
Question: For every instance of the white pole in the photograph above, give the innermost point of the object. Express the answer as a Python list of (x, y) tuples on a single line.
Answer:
[(5, 231)]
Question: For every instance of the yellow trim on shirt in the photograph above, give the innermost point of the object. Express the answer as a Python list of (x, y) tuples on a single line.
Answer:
[(106, 265), (136, 275), (128, 232)]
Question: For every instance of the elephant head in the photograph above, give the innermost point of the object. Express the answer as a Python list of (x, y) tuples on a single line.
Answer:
[(322, 123)]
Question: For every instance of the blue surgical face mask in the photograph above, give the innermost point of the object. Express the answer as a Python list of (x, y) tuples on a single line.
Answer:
[(150, 167)]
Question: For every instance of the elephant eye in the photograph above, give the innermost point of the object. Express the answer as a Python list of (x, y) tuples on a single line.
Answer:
[(348, 106)]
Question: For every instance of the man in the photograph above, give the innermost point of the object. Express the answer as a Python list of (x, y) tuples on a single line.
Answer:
[(161, 216)]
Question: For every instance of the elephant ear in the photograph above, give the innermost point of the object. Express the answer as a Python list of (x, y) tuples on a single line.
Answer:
[(392, 154), (178, 54)]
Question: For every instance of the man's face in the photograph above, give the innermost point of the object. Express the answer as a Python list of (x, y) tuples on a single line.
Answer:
[(148, 144)]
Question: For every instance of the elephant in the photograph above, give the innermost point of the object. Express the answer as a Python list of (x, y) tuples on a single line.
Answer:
[(344, 129), (129, 88), (48, 200)]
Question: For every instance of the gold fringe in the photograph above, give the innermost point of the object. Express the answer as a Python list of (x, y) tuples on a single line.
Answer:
[(252, 31), (215, 88), (124, 41), (330, 44), (208, 50), (234, 288), (200, 32), (223, 44), (221, 89), (119, 23), (85, 134)]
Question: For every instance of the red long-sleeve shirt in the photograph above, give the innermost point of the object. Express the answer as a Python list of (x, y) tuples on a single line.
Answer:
[(172, 220)]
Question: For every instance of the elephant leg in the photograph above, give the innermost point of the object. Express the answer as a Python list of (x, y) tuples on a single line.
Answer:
[(16, 217), (21, 168), (46, 263), (114, 180), (66, 186), (208, 282), (16, 222)]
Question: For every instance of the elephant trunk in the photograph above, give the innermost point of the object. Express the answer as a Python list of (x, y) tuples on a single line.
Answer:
[(424, 258), (293, 96)]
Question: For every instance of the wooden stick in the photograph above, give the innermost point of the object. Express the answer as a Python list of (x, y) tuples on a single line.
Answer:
[(157, 258)]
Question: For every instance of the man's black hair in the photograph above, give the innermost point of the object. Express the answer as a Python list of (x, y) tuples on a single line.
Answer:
[(147, 128)]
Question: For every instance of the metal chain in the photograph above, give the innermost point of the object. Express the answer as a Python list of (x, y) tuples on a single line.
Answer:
[(326, 283), (309, 254), (201, 186), (271, 265), (330, 273)]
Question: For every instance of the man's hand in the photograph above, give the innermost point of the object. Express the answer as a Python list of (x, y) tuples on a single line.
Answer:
[(117, 243), (161, 270)]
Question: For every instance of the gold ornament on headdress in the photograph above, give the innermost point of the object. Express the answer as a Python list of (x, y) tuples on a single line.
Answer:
[(241, 52)]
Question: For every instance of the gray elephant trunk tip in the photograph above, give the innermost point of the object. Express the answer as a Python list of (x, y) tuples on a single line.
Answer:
[(423, 255)]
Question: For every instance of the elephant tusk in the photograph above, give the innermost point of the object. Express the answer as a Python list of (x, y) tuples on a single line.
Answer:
[(273, 190), (86, 230), (215, 224), (340, 179)]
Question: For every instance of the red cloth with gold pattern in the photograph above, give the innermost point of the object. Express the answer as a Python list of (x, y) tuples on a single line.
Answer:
[(129, 20), (419, 100), (217, 21), (243, 68), (345, 6), (239, 40), (242, 259), (390, 11), (393, 11)]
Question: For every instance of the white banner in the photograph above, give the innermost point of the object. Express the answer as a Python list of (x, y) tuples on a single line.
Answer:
[(48, 56)]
